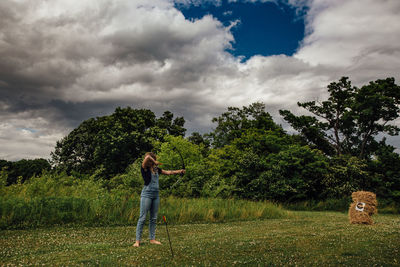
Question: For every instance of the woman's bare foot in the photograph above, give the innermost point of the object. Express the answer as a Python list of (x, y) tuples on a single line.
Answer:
[(155, 242), (137, 244)]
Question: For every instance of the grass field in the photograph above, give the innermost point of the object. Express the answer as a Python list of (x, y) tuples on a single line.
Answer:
[(305, 239)]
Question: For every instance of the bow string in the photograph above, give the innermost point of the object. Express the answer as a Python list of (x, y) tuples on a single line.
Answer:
[(183, 162), (183, 166)]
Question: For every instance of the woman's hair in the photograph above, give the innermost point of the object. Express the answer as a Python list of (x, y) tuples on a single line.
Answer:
[(150, 164)]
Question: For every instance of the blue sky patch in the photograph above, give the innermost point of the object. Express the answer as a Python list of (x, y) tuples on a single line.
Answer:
[(264, 29), (27, 129)]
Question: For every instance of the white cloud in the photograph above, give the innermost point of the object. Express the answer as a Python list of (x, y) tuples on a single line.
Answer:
[(27, 138), (198, 2), (65, 61), (344, 33)]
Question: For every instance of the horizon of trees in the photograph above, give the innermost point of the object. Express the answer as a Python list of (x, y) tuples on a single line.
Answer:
[(248, 155)]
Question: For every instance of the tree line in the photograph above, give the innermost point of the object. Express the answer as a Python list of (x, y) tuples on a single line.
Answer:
[(335, 152), (22, 170)]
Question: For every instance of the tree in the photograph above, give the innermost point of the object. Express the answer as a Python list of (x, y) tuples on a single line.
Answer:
[(202, 141), (266, 165), (349, 121), (109, 144), (385, 168), (294, 174), (5, 164), (232, 123), (173, 126), (24, 169), (175, 153), (346, 174), (197, 139), (245, 141), (374, 106)]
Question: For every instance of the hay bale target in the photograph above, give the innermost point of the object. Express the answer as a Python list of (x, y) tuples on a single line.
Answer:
[(363, 207)]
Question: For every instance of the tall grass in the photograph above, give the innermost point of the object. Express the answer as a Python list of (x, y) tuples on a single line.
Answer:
[(44, 211), (61, 199), (326, 205), (218, 210), (20, 213)]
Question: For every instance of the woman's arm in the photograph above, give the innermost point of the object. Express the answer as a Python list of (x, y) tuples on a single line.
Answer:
[(147, 159), (173, 172)]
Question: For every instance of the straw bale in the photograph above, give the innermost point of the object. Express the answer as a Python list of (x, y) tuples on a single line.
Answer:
[(365, 196), (370, 207), (358, 217), (371, 210)]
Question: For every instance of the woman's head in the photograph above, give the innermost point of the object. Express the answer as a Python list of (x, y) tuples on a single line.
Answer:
[(150, 164)]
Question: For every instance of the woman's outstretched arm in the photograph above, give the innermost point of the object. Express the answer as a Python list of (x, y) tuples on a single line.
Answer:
[(172, 172)]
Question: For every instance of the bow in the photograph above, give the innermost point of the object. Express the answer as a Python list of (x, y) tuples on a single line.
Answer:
[(183, 165), (183, 162)]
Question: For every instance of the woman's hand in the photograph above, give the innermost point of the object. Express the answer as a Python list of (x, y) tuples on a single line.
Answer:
[(147, 162), (179, 171)]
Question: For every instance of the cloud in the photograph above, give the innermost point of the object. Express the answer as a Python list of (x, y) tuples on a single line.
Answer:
[(228, 13), (198, 2), (339, 36), (66, 61), (18, 140)]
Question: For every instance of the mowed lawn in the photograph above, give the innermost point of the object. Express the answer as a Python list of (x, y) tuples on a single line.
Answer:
[(306, 239)]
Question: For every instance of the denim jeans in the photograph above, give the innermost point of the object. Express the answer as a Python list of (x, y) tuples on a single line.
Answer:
[(148, 204)]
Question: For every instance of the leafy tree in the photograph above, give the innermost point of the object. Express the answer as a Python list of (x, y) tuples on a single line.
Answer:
[(385, 168), (172, 152), (266, 166), (222, 165), (346, 174), (76, 151), (202, 141), (232, 123), (198, 139), (236, 167), (374, 106), (349, 121), (260, 161), (5, 164), (173, 126), (107, 145), (293, 174), (24, 169)]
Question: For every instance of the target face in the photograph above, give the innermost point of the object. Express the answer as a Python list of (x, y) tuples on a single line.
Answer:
[(360, 206)]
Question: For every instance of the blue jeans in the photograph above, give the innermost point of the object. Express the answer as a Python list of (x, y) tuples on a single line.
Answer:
[(148, 204)]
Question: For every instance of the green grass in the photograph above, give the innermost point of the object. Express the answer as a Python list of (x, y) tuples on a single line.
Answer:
[(304, 239)]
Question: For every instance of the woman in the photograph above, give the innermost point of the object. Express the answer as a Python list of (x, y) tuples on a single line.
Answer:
[(149, 198)]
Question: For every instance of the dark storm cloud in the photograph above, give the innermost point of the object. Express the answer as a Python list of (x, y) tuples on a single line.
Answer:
[(43, 56), (63, 62)]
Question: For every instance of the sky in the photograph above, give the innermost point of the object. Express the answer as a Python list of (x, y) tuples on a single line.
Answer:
[(65, 61)]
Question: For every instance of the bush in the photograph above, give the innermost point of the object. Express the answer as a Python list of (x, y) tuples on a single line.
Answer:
[(346, 174)]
